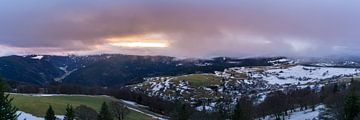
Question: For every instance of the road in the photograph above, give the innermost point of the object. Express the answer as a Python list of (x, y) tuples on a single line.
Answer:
[(142, 109)]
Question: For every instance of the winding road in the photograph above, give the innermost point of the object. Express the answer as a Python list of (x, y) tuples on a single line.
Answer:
[(142, 109)]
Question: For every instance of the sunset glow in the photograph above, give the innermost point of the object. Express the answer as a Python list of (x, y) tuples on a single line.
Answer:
[(140, 41), (141, 44)]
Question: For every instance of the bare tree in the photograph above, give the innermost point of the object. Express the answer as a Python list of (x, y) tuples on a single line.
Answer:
[(119, 110), (83, 112)]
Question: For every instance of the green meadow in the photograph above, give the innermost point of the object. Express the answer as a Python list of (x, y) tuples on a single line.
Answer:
[(37, 105)]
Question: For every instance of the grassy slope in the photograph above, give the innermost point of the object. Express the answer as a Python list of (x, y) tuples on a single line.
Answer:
[(198, 80), (38, 105), (196, 84)]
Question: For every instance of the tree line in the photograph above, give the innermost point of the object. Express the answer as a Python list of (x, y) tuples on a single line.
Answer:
[(113, 111), (341, 101)]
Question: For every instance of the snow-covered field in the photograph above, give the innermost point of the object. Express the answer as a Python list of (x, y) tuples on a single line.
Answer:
[(302, 115), (27, 116), (302, 74)]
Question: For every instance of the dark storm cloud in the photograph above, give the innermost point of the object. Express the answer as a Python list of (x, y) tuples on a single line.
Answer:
[(194, 28)]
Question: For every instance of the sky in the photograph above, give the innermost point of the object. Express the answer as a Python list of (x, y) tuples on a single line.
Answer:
[(181, 28)]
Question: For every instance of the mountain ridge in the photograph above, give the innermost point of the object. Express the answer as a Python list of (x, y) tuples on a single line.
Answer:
[(108, 69), (119, 69)]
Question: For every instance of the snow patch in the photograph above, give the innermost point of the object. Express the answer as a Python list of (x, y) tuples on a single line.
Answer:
[(201, 108), (39, 57), (303, 74), (129, 102), (27, 116), (67, 73), (302, 115)]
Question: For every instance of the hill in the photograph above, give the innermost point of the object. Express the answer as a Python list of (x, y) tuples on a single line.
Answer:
[(210, 90), (29, 69)]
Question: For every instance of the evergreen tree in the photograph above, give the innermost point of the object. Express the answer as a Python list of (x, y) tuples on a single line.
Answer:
[(7, 111), (238, 112), (105, 114), (50, 114), (183, 113), (70, 115), (335, 88), (139, 99), (351, 107)]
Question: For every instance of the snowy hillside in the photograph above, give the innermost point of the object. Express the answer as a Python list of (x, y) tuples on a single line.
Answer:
[(254, 81), (303, 74)]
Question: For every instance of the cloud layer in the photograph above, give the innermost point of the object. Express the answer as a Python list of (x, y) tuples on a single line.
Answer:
[(193, 28)]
